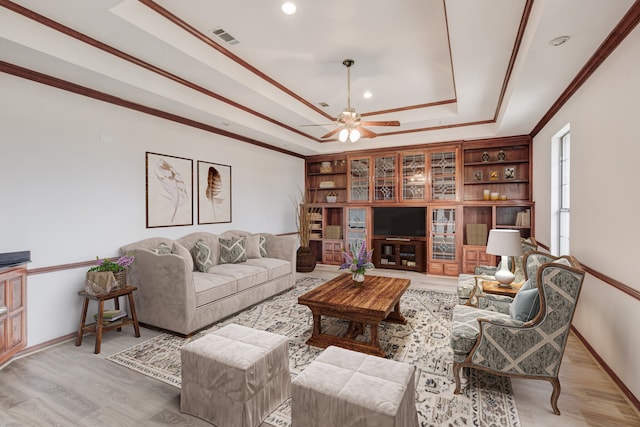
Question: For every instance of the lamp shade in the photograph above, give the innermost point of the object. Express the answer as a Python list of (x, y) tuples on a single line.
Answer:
[(504, 243)]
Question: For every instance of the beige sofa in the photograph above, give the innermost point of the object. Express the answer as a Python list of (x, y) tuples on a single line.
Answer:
[(173, 295)]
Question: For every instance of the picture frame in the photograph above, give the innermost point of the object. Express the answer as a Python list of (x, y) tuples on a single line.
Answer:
[(477, 175), (509, 172), (493, 176), (214, 193), (169, 190)]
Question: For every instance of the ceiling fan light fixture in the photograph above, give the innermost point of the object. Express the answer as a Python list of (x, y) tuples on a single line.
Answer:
[(354, 135), (343, 135)]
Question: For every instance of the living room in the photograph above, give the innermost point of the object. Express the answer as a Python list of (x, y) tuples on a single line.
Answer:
[(75, 186)]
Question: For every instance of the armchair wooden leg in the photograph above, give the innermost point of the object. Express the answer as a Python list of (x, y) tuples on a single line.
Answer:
[(457, 367), (554, 396)]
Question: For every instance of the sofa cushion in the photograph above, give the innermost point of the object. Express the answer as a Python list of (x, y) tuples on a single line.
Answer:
[(232, 250), (178, 249), (275, 267), (526, 303), (212, 287), (245, 275), (201, 253), (256, 246)]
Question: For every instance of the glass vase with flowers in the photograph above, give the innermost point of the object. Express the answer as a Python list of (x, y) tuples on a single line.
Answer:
[(357, 260)]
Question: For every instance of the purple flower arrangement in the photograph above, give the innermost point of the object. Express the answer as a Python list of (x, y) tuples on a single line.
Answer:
[(357, 259), (120, 264)]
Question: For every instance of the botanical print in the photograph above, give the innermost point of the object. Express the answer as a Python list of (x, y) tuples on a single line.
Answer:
[(169, 190), (214, 193)]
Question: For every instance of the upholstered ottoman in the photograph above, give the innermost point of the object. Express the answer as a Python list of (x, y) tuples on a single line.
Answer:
[(235, 376), (346, 388)]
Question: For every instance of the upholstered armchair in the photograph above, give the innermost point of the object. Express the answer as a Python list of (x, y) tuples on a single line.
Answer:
[(470, 287), (512, 345)]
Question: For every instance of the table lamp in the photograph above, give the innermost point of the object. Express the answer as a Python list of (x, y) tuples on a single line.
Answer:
[(505, 243)]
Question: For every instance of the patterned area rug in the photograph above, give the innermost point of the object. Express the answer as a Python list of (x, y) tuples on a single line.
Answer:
[(423, 342)]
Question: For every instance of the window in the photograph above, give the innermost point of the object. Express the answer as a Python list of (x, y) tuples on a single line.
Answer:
[(564, 202), (560, 192)]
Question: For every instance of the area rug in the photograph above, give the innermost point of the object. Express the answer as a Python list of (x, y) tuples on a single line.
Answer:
[(487, 400)]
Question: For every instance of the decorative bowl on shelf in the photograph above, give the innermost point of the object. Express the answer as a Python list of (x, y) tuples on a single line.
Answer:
[(331, 197)]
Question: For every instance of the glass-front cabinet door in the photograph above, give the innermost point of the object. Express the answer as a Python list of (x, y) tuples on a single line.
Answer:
[(414, 178), (442, 241), (384, 180), (359, 169), (443, 174), (356, 226)]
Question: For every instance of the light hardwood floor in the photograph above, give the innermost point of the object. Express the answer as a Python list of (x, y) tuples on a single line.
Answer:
[(65, 385)]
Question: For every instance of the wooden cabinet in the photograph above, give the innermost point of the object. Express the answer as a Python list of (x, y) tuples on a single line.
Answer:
[(474, 256), (400, 254), (13, 323), (450, 179)]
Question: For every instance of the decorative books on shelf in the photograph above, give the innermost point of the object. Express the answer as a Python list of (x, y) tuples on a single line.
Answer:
[(523, 219), (111, 315)]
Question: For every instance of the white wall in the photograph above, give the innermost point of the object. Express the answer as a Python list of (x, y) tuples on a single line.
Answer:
[(68, 196), (605, 201)]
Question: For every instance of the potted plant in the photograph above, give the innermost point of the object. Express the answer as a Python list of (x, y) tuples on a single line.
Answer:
[(118, 268)]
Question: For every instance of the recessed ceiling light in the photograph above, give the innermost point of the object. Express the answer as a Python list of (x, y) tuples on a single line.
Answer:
[(367, 94), (289, 8), (559, 40)]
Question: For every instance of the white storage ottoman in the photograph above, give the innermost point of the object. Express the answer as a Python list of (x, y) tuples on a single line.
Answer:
[(235, 376), (346, 388)]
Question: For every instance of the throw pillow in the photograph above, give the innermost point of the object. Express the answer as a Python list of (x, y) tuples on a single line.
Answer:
[(178, 249), (201, 253), (162, 249), (526, 303), (232, 250), (256, 246)]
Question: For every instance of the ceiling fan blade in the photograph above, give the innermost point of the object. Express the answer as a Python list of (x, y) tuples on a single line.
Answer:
[(366, 133), (385, 123), (320, 124), (333, 132)]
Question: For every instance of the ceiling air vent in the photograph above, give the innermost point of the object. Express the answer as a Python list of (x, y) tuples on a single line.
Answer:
[(226, 37)]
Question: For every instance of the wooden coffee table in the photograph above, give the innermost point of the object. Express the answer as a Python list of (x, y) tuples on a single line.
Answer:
[(377, 300)]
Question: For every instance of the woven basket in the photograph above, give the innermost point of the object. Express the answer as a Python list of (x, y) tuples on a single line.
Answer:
[(121, 278)]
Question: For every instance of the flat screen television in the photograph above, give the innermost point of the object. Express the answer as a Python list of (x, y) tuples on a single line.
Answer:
[(400, 221)]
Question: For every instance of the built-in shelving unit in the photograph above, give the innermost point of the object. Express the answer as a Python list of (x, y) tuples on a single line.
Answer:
[(455, 181)]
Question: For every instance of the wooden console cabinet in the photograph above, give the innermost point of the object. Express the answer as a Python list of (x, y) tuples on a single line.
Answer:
[(13, 311), (399, 254)]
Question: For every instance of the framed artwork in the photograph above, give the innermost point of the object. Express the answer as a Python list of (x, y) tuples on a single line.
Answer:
[(214, 193), (509, 173), (477, 175), (493, 176), (169, 188)]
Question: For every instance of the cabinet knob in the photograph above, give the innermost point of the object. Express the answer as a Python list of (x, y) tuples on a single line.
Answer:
[(3, 310)]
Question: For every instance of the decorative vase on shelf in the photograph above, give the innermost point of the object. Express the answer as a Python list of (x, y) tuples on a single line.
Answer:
[(358, 278)]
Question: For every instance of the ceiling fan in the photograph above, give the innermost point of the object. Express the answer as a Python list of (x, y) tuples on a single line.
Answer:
[(350, 125)]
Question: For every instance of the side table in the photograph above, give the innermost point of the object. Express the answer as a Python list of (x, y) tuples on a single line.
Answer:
[(493, 287), (98, 327)]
